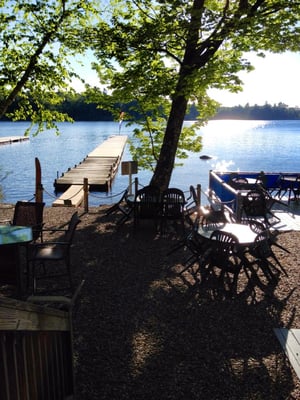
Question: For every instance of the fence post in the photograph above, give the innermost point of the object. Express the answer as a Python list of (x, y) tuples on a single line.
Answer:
[(199, 194), (136, 185), (86, 194)]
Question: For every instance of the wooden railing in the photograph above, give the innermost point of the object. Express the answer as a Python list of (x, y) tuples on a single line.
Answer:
[(36, 360)]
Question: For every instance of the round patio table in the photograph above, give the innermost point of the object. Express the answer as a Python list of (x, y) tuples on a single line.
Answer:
[(11, 237), (11, 234), (245, 235)]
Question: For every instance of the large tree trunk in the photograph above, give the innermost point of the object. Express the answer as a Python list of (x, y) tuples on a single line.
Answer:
[(163, 171)]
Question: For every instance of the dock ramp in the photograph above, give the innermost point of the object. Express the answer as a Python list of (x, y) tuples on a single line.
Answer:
[(99, 167), (72, 197)]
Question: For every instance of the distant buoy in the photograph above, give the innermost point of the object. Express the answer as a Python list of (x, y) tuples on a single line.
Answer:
[(205, 157)]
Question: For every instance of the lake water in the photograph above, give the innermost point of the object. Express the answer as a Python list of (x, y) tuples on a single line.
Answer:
[(272, 146)]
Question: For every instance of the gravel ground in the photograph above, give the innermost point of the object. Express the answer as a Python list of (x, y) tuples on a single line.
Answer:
[(141, 331)]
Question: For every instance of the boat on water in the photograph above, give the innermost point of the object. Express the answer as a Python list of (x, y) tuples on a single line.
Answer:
[(205, 157)]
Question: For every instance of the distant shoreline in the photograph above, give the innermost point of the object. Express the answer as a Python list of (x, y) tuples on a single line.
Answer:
[(79, 111)]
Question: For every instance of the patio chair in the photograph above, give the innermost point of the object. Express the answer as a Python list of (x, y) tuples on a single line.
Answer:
[(49, 255), (296, 189), (196, 247), (224, 255), (192, 207), (224, 246), (124, 206), (147, 205), (218, 211), (172, 201), (262, 181), (258, 204), (30, 214), (238, 182), (262, 252)]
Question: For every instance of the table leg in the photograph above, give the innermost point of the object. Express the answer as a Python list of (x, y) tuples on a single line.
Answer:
[(10, 273)]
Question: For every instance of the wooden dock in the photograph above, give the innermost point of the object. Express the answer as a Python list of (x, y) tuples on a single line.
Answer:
[(290, 342), (99, 167), (72, 197), (12, 139)]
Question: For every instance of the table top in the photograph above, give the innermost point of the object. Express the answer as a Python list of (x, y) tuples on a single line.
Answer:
[(243, 233), (10, 234), (287, 178)]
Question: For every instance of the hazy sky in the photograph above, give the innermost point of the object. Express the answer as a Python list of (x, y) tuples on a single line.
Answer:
[(276, 79)]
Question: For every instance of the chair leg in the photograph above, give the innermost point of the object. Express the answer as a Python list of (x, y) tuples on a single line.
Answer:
[(68, 265)]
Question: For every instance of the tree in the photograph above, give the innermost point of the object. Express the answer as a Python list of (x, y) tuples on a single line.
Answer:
[(37, 39), (167, 54)]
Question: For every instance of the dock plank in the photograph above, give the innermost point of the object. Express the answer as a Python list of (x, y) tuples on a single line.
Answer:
[(12, 139), (99, 167), (72, 197), (290, 342)]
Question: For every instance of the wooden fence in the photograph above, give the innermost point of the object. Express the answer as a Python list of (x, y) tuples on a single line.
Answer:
[(35, 352)]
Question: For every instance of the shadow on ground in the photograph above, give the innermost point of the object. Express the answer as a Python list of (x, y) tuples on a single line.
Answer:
[(141, 331)]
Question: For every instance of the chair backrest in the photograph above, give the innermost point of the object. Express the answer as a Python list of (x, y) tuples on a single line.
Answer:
[(29, 214), (224, 237), (192, 207), (173, 201), (238, 182), (219, 211), (225, 242), (74, 221), (261, 246), (193, 196), (224, 246), (256, 226), (254, 204), (117, 206), (147, 202), (262, 180)]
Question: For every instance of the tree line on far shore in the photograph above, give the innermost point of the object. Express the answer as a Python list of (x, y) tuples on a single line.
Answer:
[(76, 107)]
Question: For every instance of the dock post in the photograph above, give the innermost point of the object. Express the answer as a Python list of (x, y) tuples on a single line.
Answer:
[(38, 182), (86, 194)]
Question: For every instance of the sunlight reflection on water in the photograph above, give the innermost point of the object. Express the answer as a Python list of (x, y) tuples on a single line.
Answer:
[(272, 146)]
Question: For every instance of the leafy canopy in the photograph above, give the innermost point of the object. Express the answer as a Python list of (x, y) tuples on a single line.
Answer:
[(159, 54), (37, 39)]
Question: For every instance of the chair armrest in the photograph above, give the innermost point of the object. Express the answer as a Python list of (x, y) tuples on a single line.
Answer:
[(54, 230)]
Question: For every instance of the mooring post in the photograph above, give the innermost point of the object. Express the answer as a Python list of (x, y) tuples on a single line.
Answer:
[(38, 182), (86, 194)]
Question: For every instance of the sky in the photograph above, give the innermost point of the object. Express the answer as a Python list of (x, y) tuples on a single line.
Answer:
[(276, 79)]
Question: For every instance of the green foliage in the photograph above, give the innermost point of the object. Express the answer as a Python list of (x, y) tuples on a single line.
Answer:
[(166, 55), (37, 39), (160, 57)]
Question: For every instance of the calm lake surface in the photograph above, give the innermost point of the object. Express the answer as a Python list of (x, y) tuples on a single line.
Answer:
[(272, 146)]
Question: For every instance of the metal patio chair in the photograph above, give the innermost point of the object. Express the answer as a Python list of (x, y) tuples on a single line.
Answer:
[(124, 206), (53, 258)]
